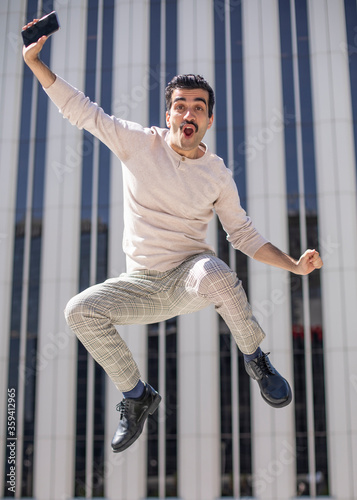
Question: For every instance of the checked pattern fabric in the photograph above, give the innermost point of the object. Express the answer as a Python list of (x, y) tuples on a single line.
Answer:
[(144, 297)]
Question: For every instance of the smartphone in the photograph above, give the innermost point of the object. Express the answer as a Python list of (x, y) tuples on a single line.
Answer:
[(44, 26)]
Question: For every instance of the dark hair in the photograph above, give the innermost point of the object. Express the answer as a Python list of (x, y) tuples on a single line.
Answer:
[(189, 82)]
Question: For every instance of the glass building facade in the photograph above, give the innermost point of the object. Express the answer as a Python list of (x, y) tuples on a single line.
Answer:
[(284, 74)]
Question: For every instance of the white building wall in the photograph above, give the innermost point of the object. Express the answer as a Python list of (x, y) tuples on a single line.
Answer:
[(10, 100), (273, 430), (126, 473), (57, 369), (336, 184), (198, 356)]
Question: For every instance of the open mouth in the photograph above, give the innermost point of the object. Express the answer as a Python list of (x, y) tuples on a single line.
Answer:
[(189, 129)]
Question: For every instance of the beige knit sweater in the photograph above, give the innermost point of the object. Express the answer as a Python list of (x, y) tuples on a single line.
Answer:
[(168, 199)]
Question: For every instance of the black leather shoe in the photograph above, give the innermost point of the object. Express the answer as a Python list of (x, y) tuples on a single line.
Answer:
[(133, 415), (275, 390)]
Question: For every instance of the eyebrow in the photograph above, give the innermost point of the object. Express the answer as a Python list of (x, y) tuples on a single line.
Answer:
[(195, 99)]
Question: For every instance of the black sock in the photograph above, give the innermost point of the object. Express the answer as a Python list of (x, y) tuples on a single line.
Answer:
[(137, 392), (249, 357)]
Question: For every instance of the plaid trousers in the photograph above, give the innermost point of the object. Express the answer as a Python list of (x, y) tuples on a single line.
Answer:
[(144, 297)]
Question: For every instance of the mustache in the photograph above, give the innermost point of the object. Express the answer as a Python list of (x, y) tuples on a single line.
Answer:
[(187, 122)]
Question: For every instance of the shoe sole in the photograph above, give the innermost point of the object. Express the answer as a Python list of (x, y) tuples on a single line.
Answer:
[(150, 411), (279, 405)]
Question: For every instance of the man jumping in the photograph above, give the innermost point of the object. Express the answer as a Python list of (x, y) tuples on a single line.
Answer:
[(173, 186)]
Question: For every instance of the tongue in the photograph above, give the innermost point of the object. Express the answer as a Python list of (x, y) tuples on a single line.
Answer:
[(188, 132)]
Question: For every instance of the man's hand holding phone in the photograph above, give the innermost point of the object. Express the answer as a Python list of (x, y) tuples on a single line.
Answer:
[(39, 27), (32, 50)]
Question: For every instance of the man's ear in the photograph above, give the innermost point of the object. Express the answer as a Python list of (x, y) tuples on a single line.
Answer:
[(210, 122), (168, 119)]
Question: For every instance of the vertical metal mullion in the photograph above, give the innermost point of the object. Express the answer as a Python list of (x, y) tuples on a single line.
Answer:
[(89, 427), (162, 411), (94, 217), (233, 345), (305, 283), (229, 88), (235, 419), (25, 291), (93, 263), (162, 61), (162, 325)]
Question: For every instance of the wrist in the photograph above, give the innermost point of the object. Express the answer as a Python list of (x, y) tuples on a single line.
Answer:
[(296, 268), (42, 72), (32, 62)]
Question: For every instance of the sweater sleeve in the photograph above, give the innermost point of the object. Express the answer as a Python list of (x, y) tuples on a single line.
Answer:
[(240, 230), (119, 135)]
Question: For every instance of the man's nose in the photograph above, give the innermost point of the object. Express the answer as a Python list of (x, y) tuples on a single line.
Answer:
[(190, 115)]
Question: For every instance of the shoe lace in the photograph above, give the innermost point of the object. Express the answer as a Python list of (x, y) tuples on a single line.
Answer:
[(122, 408), (264, 366)]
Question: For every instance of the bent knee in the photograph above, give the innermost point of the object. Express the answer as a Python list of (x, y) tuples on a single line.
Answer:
[(73, 311), (86, 307), (212, 275), (78, 310)]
